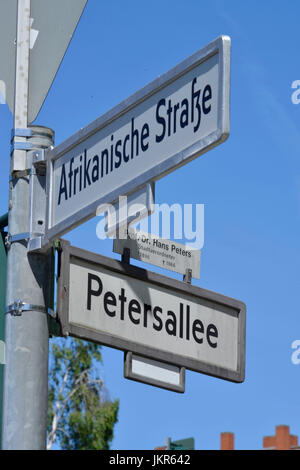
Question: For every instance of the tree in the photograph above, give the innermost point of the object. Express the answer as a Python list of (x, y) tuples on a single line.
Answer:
[(80, 414)]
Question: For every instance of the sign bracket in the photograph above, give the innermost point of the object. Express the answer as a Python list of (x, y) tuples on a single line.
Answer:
[(126, 256), (188, 276)]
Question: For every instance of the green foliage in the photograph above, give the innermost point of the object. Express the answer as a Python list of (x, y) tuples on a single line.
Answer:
[(80, 416)]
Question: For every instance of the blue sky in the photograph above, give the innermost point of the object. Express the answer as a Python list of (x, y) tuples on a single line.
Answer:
[(250, 186)]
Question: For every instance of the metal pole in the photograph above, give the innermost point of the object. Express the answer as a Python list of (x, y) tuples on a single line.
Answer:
[(168, 443), (26, 334), (3, 224)]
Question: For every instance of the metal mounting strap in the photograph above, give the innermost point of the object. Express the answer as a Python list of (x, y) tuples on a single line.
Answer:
[(18, 307), (22, 146), (20, 237), (18, 132), (27, 132), (16, 145), (188, 276)]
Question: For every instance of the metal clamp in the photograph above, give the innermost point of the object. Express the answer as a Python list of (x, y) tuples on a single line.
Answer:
[(19, 132), (20, 237), (21, 146), (36, 158), (29, 142), (26, 145), (188, 276), (27, 132), (18, 307)]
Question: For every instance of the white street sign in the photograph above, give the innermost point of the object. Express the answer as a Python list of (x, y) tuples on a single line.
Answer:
[(134, 310), (151, 372), (174, 119), (161, 252), (52, 26)]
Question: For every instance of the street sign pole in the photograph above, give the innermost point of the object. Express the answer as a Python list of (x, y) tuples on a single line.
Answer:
[(3, 225), (27, 291)]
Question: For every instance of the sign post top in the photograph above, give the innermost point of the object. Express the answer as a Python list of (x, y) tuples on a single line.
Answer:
[(52, 26)]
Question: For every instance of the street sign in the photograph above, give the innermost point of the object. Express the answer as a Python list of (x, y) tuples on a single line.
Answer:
[(156, 373), (161, 252), (52, 27), (129, 308), (179, 116)]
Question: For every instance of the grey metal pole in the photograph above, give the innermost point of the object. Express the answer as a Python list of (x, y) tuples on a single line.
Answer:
[(168, 443), (28, 281)]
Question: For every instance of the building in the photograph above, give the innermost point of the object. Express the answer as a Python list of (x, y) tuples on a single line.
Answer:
[(282, 440)]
